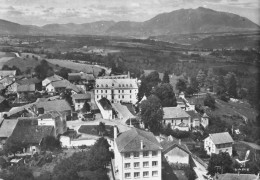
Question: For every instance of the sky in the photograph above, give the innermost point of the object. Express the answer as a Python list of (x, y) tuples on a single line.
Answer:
[(41, 12)]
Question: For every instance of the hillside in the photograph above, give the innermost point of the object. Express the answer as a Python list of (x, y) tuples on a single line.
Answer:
[(183, 21)]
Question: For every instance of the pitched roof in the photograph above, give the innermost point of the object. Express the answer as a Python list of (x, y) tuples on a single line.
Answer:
[(15, 110), (27, 131), (60, 83), (229, 176), (73, 87), (5, 73), (193, 114), (221, 138), (168, 145), (123, 110), (205, 115), (29, 81), (116, 83), (50, 114), (7, 127), (55, 105), (81, 96), (105, 103), (130, 141), (174, 112), (26, 88), (80, 76), (55, 77), (1, 99)]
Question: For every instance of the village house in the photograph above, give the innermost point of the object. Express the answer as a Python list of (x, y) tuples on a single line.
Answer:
[(195, 118), (61, 86), (50, 79), (175, 153), (137, 155), (82, 80), (9, 83), (79, 100), (4, 107), (177, 118), (6, 130), (55, 119), (25, 90), (117, 90), (28, 133), (105, 107), (218, 142)]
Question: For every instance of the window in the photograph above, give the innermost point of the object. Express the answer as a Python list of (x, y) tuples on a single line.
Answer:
[(97, 91), (106, 85), (123, 96), (136, 165), (130, 85), (126, 85), (136, 154), (130, 91), (122, 91), (97, 96), (118, 91), (146, 164), (102, 85), (127, 175), (154, 173), (155, 153), (136, 175), (119, 96), (112, 84), (154, 163), (123, 85), (145, 173), (145, 153), (130, 96), (101, 91), (127, 165), (97, 85), (119, 85), (127, 155), (106, 91)]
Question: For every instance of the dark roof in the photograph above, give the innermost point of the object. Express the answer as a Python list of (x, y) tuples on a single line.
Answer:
[(168, 145), (130, 141), (1, 99), (27, 131), (229, 176), (80, 76), (29, 81), (81, 96), (105, 103), (51, 114), (221, 138), (174, 113), (193, 114), (55, 105), (26, 88)]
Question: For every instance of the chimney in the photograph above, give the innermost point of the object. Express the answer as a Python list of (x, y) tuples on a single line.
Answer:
[(142, 144), (115, 132), (179, 141)]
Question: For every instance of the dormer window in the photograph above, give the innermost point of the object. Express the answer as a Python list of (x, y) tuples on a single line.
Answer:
[(130, 85), (112, 84), (126, 85), (123, 85), (119, 85), (102, 85), (106, 85), (97, 85)]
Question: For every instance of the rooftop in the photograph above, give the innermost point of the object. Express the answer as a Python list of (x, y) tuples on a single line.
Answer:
[(116, 83), (51, 114), (7, 127), (229, 176), (55, 105), (80, 76), (26, 88), (54, 78), (174, 112), (130, 141), (221, 138), (27, 131), (193, 114), (4, 73), (81, 96)]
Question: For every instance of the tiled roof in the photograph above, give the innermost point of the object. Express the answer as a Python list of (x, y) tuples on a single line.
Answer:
[(26, 88), (130, 141), (54, 78), (27, 131), (205, 115), (81, 96), (80, 76), (15, 110), (221, 138), (105, 103), (229, 176), (174, 112), (29, 81), (1, 99), (60, 84), (123, 110), (168, 145), (51, 114), (7, 127), (116, 83), (55, 105), (193, 114), (5, 73), (73, 87)]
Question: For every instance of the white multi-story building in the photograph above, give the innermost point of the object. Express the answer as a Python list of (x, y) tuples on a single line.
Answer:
[(117, 90), (218, 142), (137, 156)]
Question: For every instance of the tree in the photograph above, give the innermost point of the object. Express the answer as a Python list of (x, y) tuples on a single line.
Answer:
[(181, 85), (221, 86), (152, 113), (166, 95), (223, 161), (50, 143), (210, 101), (13, 147), (63, 72), (18, 173), (102, 72), (101, 128), (43, 70), (86, 108), (193, 87), (231, 84), (209, 81), (166, 78), (201, 78)]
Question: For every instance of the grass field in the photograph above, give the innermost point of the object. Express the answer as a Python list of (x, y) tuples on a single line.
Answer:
[(22, 64), (76, 66), (4, 60)]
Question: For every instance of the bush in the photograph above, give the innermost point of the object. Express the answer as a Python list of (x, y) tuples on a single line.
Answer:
[(210, 101)]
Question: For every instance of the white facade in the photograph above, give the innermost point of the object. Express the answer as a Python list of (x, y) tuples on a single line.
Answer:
[(116, 90), (142, 167), (50, 88), (210, 147)]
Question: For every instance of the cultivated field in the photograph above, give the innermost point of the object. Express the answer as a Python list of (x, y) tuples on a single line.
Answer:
[(76, 66)]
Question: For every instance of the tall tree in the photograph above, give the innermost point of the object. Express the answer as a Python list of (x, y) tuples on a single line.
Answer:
[(181, 85), (210, 101), (221, 86), (231, 84), (201, 78), (222, 161), (43, 70), (152, 113), (166, 95), (209, 81), (166, 78)]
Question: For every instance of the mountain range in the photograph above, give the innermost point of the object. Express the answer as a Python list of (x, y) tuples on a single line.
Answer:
[(183, 21)]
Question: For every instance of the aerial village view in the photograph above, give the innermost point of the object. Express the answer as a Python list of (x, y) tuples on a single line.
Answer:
[(129, 90)]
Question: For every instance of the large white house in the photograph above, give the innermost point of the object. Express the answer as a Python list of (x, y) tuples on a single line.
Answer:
[(218, 142), (137, 156), (117, 90)]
